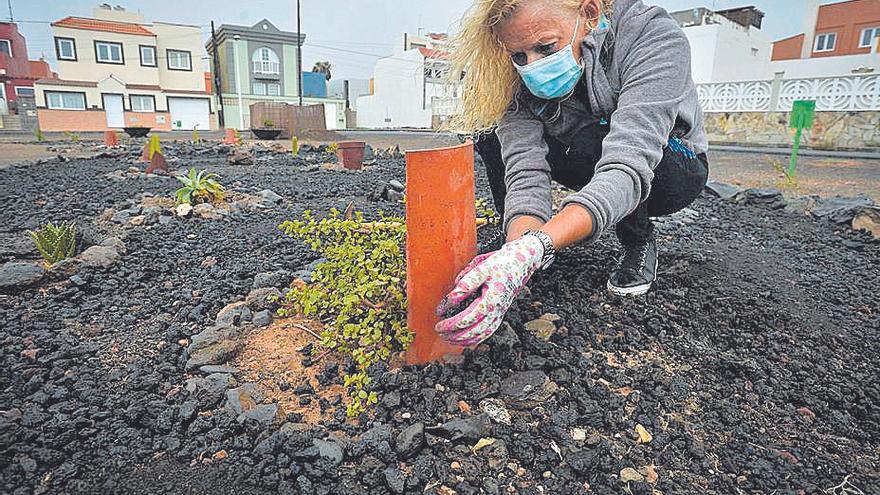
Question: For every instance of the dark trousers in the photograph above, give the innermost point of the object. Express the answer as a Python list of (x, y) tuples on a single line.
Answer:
[(678, 179)]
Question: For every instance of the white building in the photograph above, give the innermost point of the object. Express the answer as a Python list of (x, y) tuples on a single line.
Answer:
[(411, 87), (726, 45), (355, 88)]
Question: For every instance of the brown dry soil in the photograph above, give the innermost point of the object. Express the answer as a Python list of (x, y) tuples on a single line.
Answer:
[(272, 355)]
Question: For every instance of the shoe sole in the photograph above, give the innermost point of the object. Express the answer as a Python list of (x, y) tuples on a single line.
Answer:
[(638, 290)]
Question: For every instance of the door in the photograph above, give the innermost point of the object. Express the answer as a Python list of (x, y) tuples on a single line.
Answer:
[(4, 107), (189, 113), (114, 110), (330, 116)]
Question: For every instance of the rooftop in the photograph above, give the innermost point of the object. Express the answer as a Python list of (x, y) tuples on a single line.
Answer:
[(105, 26)]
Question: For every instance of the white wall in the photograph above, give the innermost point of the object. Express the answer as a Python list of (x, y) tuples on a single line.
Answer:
[(397, 101), (726, 52), (824, 66), (703, 40), (740, 54)]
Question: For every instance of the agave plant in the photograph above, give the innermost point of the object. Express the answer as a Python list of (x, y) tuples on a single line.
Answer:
[(55, 242), (199, 187)]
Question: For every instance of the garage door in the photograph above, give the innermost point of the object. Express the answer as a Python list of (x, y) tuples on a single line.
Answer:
[(187, 113)]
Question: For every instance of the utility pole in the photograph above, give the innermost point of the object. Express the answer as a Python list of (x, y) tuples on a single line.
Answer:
[(299, 55), (236, 40), (218, 88), (11, 17)]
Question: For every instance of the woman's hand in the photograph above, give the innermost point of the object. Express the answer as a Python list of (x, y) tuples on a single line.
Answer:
[(500, 276)]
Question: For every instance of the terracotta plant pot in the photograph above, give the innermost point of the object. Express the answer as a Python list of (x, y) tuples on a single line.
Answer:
[(351, 154)]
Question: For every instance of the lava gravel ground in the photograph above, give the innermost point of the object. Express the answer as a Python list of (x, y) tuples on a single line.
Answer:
[(752, 365)]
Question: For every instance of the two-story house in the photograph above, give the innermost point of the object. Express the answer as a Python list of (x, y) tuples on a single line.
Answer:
[(834, 30), (259, 63), (117, 71), (17, 73), (412, 87)]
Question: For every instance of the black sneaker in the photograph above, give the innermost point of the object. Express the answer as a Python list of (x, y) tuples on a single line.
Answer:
[(636, 270)]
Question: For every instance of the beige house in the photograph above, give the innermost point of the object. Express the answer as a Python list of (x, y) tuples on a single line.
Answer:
[(117, 71)]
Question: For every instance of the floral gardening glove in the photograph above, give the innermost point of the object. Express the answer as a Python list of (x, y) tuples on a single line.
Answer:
[(500, 276)]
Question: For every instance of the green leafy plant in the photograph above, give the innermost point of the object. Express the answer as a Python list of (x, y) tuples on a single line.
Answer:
[(199, 187), (268, 123), (332, 148), (39, 135), (72, 136), (788, 182), (55, 242), (359, 292), (295, 145), (486, 211)]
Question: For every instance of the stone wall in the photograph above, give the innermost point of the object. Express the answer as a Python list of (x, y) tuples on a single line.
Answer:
[(831, 130)]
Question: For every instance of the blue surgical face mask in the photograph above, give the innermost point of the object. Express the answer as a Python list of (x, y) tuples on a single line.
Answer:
[(553, 76)]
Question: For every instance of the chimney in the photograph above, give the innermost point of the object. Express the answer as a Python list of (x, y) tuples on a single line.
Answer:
[(811, 18)]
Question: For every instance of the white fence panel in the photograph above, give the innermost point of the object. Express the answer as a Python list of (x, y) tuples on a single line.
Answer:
[(832, 94)]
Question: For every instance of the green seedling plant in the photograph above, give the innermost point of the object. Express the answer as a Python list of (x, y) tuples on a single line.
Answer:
[(72, 136), (55, 242), (332, 148), (295, 145), (359, 293), (789, 181), (486, 211), (199, 187), (39, 135), (268, 123)]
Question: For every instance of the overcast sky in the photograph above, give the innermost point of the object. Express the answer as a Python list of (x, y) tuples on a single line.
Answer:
[(334, 28)]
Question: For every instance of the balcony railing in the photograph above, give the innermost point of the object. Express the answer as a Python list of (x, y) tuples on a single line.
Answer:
[(265, 67)]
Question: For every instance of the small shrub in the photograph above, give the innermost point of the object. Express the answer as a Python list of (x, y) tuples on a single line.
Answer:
[(268, 123), (72, 136), (295, 145), (39, 135), (360, 291), (196, 135), (199, 187), (332, 148), (788, 182), (55, 242), (486, 211)]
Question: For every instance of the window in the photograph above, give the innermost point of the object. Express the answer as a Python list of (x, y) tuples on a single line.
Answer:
[(108, 53), (868, 36), (148, 56), (143, 103), (179, 60), (65, 48), (825, 42), (6, 47), (265, 61), (267, 89), (24, 91), (57, 100)]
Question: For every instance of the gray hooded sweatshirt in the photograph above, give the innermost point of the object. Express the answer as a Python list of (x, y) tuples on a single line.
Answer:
[(644, 88)]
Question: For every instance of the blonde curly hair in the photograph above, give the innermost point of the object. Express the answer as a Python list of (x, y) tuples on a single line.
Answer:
[(490, 79)]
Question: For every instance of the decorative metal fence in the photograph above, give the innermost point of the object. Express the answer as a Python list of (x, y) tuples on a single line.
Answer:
[(832, 94)]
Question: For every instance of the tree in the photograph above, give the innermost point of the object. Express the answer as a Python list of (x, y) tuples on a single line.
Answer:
[(323, 68)]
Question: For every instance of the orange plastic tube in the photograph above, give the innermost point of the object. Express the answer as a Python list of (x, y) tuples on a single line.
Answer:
[(230, 137), (111, 139), (441, 239)]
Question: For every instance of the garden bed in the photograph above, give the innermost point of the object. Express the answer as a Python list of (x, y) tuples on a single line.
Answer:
[(751, 366)]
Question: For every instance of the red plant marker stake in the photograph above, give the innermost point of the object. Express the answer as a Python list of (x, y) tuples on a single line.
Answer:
[(110, 139), (230, 137), (441, 239)]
